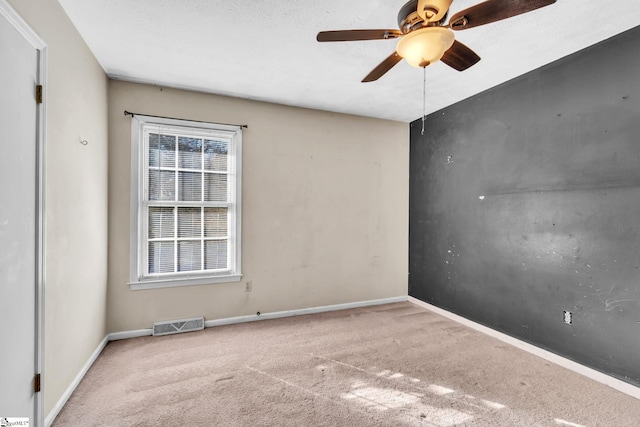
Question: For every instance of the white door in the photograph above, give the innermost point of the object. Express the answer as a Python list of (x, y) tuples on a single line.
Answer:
[(19, 219)]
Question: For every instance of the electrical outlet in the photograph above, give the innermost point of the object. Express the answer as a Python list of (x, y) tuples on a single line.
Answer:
[(568, 318), (248, 286)]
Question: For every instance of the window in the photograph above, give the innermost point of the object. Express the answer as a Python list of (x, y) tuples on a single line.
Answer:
[(185, 202)]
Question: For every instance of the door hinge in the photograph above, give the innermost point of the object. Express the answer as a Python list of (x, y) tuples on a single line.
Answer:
[(39, 94), (36, 383)]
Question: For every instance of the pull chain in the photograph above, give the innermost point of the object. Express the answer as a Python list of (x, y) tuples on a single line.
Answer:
[(424, 96)]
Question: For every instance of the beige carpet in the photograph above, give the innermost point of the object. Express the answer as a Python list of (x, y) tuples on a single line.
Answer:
[(389, 365)]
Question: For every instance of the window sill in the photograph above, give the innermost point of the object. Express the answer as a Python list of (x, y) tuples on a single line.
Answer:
[(179, 282)]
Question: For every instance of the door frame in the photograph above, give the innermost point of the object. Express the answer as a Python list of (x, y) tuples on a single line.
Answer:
[(14, 19)]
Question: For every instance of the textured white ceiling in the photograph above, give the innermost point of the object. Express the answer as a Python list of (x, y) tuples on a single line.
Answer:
[(267, 50)]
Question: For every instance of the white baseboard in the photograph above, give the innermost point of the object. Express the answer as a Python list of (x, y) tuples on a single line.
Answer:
[(300, 312), (610, 381), (76, 381), (115, 336)]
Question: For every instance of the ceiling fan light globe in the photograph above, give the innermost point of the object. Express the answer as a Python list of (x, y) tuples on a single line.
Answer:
[(426, 45)]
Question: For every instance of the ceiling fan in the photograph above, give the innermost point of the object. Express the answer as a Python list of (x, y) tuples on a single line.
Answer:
[(425, 39)]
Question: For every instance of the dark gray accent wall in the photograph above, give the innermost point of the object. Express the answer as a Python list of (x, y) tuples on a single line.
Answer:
[(525, 203)]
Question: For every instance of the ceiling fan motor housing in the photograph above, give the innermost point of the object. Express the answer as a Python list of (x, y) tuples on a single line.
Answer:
[(416, 14), (408, 17), (433, 10)]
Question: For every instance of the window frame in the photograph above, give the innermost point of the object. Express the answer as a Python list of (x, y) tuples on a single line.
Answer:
[(138, 278)]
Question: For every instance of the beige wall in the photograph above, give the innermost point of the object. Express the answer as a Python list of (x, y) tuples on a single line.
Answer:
[(325, 205), (325, 209), (76, 197)]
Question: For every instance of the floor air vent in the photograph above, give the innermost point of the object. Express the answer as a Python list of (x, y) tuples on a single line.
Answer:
[(178, 326)]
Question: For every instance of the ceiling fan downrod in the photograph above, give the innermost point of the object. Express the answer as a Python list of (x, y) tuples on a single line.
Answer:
[(424, 97)]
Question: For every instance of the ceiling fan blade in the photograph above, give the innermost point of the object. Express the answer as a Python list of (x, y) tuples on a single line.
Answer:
[(384, 66), (492, 11), (460, 57), (354, 35)]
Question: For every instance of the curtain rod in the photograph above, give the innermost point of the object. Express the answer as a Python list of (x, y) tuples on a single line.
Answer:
[(129, 113)]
